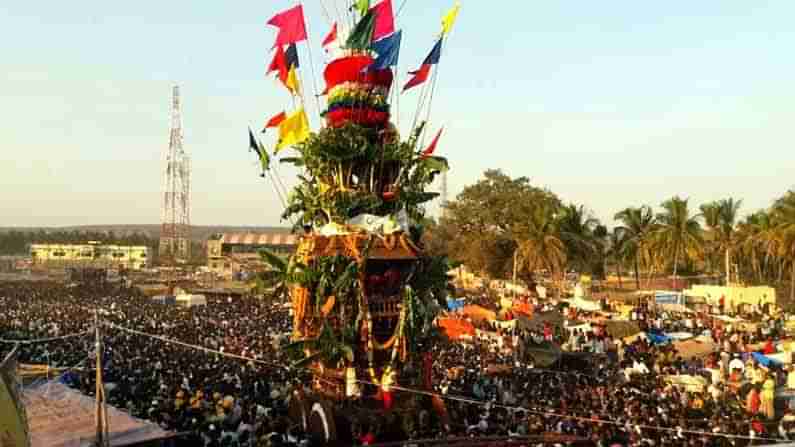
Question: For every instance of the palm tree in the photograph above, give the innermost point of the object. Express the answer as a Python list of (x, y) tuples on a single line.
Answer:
[(729, 209), (615, 250), (637, 227), (712, 219), (784, 218), (540, 246), (757, 240), (577, 231), (679, 232)]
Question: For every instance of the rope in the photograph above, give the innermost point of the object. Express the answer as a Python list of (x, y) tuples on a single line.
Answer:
[(679, 431), (312, 70), (188, 345), (43, 340)]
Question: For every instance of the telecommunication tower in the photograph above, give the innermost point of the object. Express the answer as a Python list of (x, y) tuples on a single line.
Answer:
[(175, 212)]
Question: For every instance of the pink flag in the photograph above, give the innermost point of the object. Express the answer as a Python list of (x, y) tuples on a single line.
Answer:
[(292, 27), (384, 19)]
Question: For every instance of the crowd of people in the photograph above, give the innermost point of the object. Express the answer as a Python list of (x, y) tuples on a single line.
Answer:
[(604, 389)]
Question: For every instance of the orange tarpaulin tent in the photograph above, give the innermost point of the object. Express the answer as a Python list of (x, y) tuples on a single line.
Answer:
[(479, 313), (455, 328), (522, 308)]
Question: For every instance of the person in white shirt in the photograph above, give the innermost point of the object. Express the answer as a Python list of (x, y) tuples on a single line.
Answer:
[(736, 363)]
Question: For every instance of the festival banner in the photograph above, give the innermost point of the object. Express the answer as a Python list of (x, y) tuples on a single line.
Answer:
[(13, 423)]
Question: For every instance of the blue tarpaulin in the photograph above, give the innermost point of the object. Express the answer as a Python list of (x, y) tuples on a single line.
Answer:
[(658, 339), (455, 305), (668, 298), (765, 360)]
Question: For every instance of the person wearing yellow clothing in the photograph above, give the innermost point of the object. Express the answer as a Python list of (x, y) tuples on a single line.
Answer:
[(758, 376), (767, 399), (179, 401)]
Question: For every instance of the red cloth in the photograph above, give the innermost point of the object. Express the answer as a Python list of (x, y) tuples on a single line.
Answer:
[(367, 439), (769, 348), (384, 19), (345, 69), (291, 26), (428, 370), (387, 397)]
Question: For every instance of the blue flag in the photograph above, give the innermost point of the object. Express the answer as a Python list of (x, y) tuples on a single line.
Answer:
[(434, 55), (292, 57), (388, 50)]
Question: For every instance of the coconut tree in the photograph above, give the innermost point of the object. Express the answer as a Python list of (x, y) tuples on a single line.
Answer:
[(577, 229), (784, 218), (729, 210), (757, 242), (616, 250), (539, 246), (679, 232), (637, 226), (711, 213)]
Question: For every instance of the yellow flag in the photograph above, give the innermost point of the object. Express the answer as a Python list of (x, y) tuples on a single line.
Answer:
[(292, 82), (449, 19), (293, 130)]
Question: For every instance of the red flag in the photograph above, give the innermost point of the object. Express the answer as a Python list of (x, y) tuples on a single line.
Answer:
[(384, 19), (420, 76), (332, 36), (279, 63), (275, 121), (292, 27), (432, 147)]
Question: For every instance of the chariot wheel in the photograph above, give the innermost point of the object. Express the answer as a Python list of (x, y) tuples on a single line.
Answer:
[(321, 422)]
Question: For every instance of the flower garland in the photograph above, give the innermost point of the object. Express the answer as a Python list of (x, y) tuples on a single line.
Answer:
[(340, 117)]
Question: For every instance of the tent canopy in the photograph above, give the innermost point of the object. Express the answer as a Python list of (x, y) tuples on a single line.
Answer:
[(536, 322), (479, 313)]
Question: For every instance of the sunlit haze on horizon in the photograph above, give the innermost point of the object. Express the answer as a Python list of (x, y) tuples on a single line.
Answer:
[(608, 104)]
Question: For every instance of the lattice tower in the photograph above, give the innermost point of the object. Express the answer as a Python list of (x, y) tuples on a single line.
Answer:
[(175, 212)]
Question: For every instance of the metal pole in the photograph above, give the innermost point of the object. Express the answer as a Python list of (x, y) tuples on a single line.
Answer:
[(101, 411)]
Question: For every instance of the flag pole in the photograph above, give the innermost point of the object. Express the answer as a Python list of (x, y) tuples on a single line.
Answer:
[(312, 68), (432, 91)]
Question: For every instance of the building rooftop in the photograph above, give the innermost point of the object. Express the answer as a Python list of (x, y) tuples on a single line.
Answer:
[(259, 238)]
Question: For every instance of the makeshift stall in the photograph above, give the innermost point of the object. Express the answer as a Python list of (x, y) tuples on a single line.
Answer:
[(186, 300), (479, 313), (455, 328), (692, 384)]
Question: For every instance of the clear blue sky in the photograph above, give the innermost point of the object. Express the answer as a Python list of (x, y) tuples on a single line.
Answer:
[(607, 103)]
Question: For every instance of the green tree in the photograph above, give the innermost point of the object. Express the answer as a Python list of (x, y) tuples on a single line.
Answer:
[(539, 244), (712, 220), (637, 227), (784, 218), (679, 233), (577, 231), (729, 210), (483, 218), (615, 250)]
